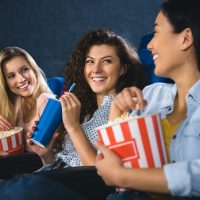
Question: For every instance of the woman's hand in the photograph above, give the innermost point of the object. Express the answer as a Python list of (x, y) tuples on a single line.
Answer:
[(5, 125), (108, 164), (46, 154), (128, 99), (71, 108), (3, 153)]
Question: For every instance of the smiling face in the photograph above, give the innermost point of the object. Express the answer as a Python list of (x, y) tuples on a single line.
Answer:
[(19, 76), (102, 69), (165, 48)]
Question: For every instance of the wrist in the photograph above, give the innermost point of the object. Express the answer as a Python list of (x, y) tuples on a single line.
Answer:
[(48, 159), (73, 128), (120, 178), (114, 111)]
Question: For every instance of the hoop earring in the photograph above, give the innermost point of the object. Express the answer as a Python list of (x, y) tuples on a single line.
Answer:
[(124, 70)]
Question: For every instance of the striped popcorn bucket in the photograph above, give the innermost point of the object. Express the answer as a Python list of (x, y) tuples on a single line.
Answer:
[(138, 141), (12, 141)]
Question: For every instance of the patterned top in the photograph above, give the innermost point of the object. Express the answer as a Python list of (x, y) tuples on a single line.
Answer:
[(100, 117)]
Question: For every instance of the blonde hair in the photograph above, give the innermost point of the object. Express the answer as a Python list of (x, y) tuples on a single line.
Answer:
[(11, 104)]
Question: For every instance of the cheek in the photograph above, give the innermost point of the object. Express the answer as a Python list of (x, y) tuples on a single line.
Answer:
[(33, 76), (86, 73), (10, 84)]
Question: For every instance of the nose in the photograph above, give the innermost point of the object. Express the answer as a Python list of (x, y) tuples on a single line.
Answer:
[(149, 45), (96, 67), (20, 77)]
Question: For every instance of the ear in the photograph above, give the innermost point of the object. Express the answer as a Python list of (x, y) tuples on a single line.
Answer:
[(123, 69), (187, 39)]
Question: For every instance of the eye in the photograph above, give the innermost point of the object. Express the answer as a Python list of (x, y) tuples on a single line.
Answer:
[(107, 61), (24, 69), (155, 32), (10, 76), (89, 61)]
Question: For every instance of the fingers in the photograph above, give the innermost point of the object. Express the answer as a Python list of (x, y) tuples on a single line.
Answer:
[(99, 157), (124, 100), (69, 100), (3, 153), (53, 140), (29, 134), (102, 148), (130, 98), (4, 124), (138, 99)]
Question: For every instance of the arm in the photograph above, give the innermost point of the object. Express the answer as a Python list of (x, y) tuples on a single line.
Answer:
[(110, 168), (71, 118), (183, 178), (129, 99), (5, 125), (46, 154)]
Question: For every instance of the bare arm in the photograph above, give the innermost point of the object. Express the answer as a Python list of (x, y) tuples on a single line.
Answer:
[(71, 118), (129, 99), (110, 168), (46, 154)]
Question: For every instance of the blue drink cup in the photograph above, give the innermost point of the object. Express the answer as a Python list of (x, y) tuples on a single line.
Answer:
[(48, 123)]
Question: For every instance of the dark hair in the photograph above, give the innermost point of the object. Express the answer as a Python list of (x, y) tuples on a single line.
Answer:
[(74, 70), (185, 14)]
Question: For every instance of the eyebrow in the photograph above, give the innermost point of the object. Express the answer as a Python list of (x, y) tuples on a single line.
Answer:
[(102, 57), (155, 24), (19, 68)]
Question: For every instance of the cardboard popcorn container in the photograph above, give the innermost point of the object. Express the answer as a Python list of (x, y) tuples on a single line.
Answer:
[(12, 141), (137, 140)]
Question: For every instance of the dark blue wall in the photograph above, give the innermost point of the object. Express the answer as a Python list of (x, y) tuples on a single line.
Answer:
[(49, 29)]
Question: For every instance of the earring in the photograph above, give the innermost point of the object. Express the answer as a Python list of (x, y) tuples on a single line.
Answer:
[(124, 70)]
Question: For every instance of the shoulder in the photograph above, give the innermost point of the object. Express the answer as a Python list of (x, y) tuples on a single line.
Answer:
[(42, 101), (159, 90), (45, 97), (107, 100)]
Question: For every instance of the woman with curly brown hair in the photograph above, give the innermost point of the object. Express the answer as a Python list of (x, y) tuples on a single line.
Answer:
[(101, 65)]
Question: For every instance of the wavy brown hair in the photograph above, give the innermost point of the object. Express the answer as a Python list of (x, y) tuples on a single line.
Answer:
[(74, 69)]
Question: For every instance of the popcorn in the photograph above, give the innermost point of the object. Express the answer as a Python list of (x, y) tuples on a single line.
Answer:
[(4, 134), (12, 141), (123, 117)]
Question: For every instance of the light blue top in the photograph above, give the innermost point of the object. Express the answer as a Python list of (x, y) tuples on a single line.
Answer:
[(183, 174)]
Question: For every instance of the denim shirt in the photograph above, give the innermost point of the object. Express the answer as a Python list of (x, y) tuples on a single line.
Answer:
[(183, 174)]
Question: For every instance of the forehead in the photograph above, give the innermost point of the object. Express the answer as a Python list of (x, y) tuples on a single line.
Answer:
[(162, 22), (15, 63), (102, 50)]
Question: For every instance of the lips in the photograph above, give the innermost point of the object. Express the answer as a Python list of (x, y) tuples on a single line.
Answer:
[(98, 79), (23, 86), (155, 56)]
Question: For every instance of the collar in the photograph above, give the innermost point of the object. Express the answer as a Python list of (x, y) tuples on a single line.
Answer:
[(194, 92)]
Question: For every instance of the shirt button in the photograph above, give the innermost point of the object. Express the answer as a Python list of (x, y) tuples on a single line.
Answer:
[(169, 109), (174, 137), (190, 96)]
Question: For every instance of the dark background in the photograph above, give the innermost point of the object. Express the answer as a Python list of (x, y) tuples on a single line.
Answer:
[(50, 29)]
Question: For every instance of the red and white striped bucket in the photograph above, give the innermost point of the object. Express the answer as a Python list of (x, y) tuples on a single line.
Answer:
[(138, 141), (12, 141)]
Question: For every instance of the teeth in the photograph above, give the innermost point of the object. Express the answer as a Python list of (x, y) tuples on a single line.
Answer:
[(155, 57), (23, 86), (99, 79)]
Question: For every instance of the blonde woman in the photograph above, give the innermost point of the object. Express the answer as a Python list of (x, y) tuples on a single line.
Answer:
[(21, 83)]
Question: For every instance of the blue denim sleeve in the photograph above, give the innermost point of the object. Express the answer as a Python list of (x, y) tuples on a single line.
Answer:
[(183, 178)]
